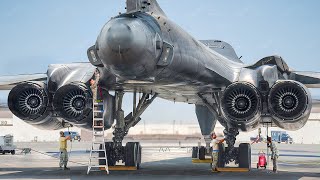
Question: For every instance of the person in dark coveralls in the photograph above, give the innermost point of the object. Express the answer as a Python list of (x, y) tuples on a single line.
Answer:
[(274, 153)]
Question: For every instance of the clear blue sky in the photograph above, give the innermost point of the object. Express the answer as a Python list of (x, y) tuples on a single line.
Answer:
[(36, 33)]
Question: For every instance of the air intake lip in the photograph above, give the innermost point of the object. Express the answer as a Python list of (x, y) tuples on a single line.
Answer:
[(240, 102), (28, 101), (288, 100), (73, 101)]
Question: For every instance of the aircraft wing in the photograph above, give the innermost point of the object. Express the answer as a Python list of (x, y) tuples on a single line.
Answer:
[(309, 79), (8, 82)]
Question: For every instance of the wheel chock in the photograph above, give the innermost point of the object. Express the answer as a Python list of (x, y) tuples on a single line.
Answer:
[(233, 169), (202, 161)]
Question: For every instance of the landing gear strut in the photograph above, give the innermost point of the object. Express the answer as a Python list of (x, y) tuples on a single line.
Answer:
[(131, 153), (232, 153), (239, 155)]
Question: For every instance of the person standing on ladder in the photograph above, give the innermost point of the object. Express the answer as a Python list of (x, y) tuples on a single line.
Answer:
[(63, 151), (274, 154), (215, 150), (94, 86), (96, 92)]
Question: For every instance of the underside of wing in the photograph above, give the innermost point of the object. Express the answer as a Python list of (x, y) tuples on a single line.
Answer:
[(8, 82)]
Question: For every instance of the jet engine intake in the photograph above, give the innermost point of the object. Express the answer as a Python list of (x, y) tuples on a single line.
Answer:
[(290, 104), (28, 101), (240, 105), (73, 102)]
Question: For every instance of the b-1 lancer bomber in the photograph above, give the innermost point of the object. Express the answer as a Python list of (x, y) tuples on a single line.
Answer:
[(143, 51)]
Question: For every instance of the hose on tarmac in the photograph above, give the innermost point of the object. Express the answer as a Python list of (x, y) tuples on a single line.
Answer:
[(46, 154)]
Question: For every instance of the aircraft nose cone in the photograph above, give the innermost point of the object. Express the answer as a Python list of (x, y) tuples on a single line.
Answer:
[(126, 46), (119, 37)]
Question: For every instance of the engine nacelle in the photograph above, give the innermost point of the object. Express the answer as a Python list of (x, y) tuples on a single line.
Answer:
[(289, 104), (73, 102), (240, 105), (29, 102)]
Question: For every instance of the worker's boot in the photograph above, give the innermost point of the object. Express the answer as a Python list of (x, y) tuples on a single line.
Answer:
[(65, 168)]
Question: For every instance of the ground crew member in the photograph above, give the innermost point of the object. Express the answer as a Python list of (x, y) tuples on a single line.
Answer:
[(94, 85), (63, 150), (215, 151), (96, 94), (274, 154)]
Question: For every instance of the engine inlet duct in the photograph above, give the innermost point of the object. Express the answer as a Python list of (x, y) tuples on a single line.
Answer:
[(73, 101), (289, 101), (240, 102), (28, 101)]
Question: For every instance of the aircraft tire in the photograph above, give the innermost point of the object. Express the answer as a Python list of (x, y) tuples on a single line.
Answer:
[(195, 151), (139, 152), (245, 155), (221, 160), (109, 151), (202, 153), (131, 154)]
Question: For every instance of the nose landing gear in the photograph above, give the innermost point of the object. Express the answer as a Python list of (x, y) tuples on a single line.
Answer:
[(131, 153)]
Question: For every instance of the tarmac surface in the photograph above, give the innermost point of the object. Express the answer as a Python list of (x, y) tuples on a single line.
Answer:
[(159, 161)]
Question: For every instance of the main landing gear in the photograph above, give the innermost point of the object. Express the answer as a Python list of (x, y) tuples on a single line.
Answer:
[(241, 155), (130, 154)]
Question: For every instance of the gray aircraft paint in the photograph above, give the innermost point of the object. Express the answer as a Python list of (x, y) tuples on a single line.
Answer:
[(144, 51)]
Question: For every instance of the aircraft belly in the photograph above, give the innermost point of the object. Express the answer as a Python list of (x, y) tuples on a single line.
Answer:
[(172, 92)]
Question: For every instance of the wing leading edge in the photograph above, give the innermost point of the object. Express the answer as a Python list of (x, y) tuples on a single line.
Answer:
[(8, 82), (309, 79)]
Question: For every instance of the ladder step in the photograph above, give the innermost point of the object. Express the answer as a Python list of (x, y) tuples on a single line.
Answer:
[(98, 166), (98, 127), (98, 158), (97, 150), (98, 103), (99, 111), (98, 119), (98, 142)]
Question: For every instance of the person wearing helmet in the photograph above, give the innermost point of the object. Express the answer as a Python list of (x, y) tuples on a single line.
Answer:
[(215, 150), (63, 151)]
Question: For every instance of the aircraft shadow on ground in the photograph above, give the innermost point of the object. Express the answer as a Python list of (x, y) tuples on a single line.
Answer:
[(162, 169)]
